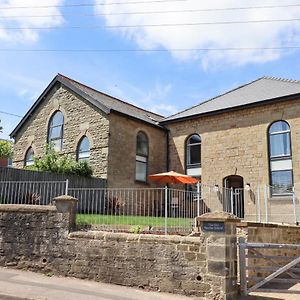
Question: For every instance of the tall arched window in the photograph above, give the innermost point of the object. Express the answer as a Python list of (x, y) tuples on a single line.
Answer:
[(280, 158), (56, 130), (193, 155), (29, 161), (142, 152), (83, 149)]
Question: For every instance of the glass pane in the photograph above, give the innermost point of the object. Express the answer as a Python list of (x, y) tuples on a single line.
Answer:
[(55, 132), (84, 145), (279, 126), (57, 119), (282, 182), (141, 171), (84, 155), (194, 154), (142, 144), (29, 158), (280, 144), (194, 139)]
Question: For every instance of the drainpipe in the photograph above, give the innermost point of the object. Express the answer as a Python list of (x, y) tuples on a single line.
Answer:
[(168, 148)]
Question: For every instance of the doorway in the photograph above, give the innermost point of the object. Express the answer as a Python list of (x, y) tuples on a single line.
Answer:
[(233, 195)]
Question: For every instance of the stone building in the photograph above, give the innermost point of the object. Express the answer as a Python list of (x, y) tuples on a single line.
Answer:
[(240, 140), (123, 143)]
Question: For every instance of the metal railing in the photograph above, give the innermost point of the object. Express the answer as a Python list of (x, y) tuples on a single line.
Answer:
[(154, 210), (31, 192), (158, 210)]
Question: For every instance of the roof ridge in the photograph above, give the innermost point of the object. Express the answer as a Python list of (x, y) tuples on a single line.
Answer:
[(147, 111), (220, 95), (281, 79)]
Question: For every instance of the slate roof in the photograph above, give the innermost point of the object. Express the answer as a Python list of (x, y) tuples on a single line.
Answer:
[(256, 92), (104, 102)]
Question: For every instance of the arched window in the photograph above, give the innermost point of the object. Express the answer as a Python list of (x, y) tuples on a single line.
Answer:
[(29, 161), (193, 155), (280, 158), (56, 129), (142, 152), (83, 149)]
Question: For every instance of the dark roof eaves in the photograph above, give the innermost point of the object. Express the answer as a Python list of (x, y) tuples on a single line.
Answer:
[(141, 120), (229, 109), (112, 97)]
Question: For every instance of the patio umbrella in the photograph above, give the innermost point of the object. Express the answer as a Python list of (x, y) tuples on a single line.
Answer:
[(173, 177)]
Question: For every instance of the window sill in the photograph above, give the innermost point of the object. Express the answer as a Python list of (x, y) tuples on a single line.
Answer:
[(282, 198), (142, 182)]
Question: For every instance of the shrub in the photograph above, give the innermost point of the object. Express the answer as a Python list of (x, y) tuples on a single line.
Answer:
[(6, 149), (60, 163)]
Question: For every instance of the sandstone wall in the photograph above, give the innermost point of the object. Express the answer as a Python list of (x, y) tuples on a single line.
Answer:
[(81, 118), (37, 238), (122, 151), (236, 143)]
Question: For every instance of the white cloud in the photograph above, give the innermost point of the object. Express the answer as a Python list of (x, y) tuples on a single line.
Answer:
[(16, 18), (257, 35)]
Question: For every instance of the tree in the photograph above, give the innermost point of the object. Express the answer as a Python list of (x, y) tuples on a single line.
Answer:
[(54, 162), (6, 149), (1, 128)]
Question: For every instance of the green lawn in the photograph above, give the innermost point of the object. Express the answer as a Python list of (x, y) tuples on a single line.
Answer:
[(131, 220)]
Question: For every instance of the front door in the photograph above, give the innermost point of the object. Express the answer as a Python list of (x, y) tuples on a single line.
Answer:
[(233, 193)]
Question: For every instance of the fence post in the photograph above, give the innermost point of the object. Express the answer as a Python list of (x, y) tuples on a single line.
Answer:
[(166, 210), (198, 198), (258, 208), (266, 205), (294, 205), (231, 200), (67, 186)]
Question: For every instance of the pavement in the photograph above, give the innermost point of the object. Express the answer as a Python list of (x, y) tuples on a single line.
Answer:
[(25, 285), (17, 285)]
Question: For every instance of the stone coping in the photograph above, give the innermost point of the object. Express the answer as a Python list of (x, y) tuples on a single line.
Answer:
[(218, 216), (244, 224), (128, 237), (27, 208)]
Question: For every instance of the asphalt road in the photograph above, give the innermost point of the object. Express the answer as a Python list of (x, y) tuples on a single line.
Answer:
[(17, 285)]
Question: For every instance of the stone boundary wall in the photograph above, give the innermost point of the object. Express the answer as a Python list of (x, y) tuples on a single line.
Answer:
[(37, 238)]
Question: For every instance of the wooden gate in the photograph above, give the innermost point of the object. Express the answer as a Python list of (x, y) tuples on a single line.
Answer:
[(266, 267)]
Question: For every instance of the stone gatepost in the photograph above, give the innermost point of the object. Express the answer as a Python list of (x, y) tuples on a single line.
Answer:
[(67, 204), (218, 232)]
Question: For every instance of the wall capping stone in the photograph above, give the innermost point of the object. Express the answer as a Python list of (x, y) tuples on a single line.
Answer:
[(27, 208)]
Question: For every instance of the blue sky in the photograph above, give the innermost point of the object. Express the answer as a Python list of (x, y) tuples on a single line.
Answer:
[(164, 82)]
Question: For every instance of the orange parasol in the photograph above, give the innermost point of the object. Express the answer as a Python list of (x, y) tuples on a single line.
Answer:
[(173, 177)]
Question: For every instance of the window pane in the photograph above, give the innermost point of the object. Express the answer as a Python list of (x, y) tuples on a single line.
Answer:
[(57, 119), (84, 145), (194, 154), (280, 144), (142, 144), (29, 158), (279, 126), (55, 132), (141, 171), (282, 182), (84, 155), (194, 139)]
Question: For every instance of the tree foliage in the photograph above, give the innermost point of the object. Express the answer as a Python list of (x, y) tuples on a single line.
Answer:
[(6, 149), (52, 161)]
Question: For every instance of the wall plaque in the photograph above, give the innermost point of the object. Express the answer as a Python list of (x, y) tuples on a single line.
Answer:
[(213, 226)]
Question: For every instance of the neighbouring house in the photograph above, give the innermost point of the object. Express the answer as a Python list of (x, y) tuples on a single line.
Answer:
[(240, 140)]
